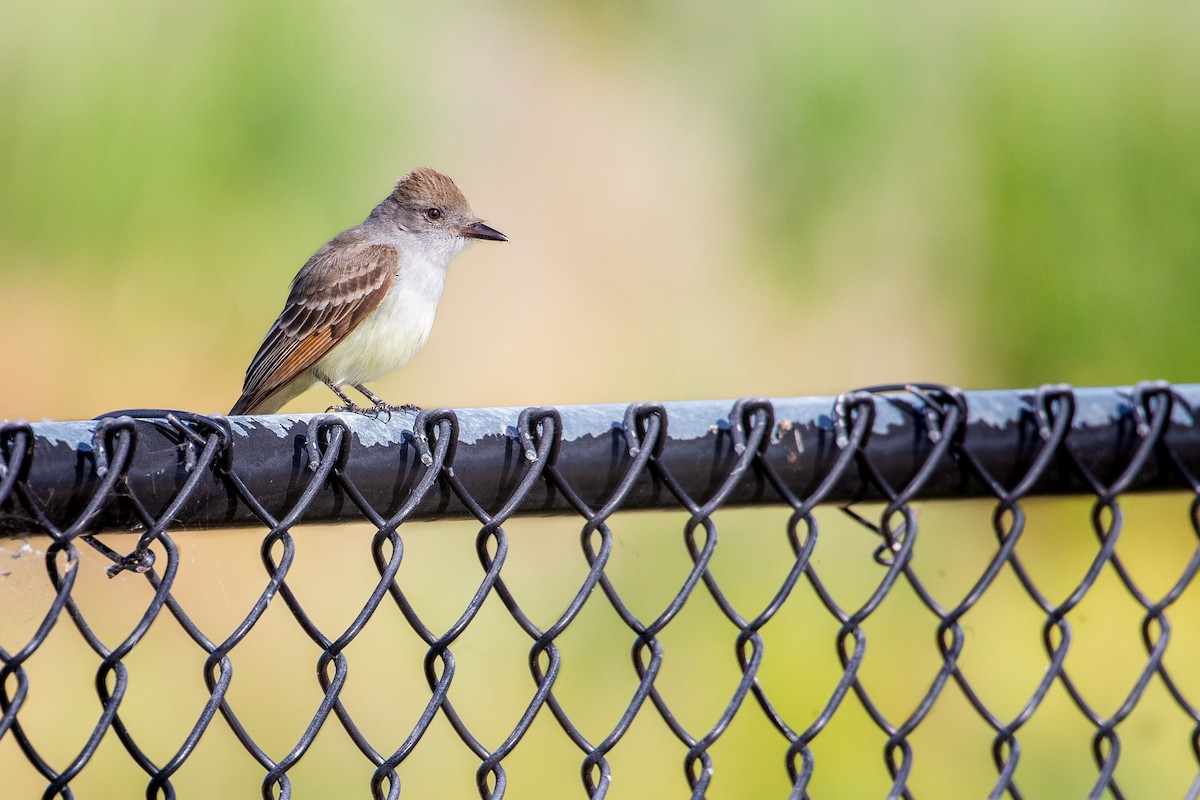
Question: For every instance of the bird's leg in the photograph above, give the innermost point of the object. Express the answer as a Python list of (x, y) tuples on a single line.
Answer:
[(350, 404), (379, 405)]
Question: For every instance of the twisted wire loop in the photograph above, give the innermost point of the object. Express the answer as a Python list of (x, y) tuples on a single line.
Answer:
[(754, 453), (943, 411), (1152, 404)]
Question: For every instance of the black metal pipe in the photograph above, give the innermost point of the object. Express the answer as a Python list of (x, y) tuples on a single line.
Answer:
[(59, 465)]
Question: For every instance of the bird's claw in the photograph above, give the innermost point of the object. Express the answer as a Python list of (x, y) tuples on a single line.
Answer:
[(387, 408), (374, 411), (406, 407), (351, 408)]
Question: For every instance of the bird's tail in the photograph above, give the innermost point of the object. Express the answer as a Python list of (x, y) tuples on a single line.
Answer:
[(244, 405), (270, 400)]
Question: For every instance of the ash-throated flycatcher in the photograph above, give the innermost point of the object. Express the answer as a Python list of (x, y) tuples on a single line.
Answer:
[(364, 303)]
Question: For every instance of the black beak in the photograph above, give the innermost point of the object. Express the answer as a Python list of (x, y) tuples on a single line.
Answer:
[(477, 230)]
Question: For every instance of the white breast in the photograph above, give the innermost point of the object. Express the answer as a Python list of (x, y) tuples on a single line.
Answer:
[(397, 329)]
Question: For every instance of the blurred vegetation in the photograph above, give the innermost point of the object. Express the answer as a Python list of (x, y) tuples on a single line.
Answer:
[(786, 198), (992, 196), (1030, 166)]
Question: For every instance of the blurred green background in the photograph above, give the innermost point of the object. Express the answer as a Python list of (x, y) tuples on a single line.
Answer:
[(794, 198), (703, 200)]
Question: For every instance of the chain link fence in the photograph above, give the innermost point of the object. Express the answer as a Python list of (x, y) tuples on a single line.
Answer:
[(917, 592)]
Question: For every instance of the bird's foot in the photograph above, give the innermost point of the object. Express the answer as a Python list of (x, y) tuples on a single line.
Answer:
[(408, 407), (375, 411), (387, 408), (380, 407), (352, 408)]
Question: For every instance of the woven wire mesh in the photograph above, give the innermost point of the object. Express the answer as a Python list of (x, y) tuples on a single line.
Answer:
[(832, 628)]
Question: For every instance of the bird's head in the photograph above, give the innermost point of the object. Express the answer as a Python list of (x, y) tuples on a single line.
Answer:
[(429, 203)]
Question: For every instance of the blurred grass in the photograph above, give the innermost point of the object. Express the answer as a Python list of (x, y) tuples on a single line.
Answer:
[(799, 199)]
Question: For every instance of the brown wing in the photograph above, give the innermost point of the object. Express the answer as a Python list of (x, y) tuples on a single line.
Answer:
[(340, 285)]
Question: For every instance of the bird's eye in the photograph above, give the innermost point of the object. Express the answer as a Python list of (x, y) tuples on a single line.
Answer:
[(433, 213)]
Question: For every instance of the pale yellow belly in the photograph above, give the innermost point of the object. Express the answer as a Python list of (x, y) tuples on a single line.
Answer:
[(383, 342)]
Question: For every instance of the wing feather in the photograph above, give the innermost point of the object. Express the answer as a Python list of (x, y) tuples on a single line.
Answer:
[(340, 285)]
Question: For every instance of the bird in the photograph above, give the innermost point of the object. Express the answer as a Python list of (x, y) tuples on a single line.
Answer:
[(364, 303)]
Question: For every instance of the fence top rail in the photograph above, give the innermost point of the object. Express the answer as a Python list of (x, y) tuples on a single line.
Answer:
[(130, 470)]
